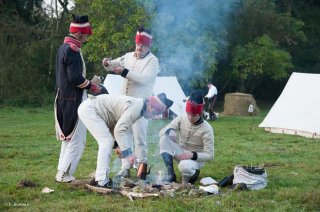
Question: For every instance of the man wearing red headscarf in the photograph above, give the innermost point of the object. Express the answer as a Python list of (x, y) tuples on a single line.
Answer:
[(140, 69), (71, 87), (188, 139)]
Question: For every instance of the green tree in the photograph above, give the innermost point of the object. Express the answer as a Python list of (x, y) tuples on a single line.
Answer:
[(114, 26), (262, 57), (252, 19), (24, 57), (305, 56)]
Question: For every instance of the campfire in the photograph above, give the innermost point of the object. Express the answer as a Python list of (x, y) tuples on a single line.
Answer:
[(143, 188)]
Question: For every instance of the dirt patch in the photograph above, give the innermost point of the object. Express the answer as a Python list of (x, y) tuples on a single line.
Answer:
[(26, 183)]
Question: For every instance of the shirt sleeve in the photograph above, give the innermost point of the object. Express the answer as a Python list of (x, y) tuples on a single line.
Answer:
[(173, 125), (122, 129), (117, 62)]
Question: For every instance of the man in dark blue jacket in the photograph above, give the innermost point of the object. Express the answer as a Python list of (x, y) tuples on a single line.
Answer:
[(71, 86)]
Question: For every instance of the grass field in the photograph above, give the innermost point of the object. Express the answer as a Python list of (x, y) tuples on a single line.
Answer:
[(29, 150)]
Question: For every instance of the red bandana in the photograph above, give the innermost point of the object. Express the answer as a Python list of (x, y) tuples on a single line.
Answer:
[(143, 38), (84, 28), (193, 107)]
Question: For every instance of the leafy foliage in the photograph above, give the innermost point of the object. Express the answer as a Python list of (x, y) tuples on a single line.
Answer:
[(255, 18), (261, 57), (114, 26)]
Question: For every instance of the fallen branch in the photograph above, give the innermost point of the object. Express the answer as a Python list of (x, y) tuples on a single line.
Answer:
[(98, 189), (128, 194)]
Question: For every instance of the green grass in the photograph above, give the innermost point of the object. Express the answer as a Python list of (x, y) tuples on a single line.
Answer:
[(29, 150)]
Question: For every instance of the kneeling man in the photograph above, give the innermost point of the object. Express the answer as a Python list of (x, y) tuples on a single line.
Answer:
[(189, 140)]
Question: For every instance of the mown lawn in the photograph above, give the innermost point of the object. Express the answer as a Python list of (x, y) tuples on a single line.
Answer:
[(29, 150)]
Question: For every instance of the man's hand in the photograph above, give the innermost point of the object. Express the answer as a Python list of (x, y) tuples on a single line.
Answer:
[(185, 156), (118, 70), (96, 80), (173, 136), (131, 158), (118, 151)]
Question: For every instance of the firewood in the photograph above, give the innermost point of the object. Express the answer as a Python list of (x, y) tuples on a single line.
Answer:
[(142, 195), (98, 189), (128, 194)]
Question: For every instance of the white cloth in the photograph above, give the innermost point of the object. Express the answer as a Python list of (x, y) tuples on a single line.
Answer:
[(212, 92), (208, 181), (189, 167), (213, 189), (71, 151), (253, 181)]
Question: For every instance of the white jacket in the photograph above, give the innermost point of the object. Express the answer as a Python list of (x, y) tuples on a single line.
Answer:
[(142, 73), (195, 138), (119, 112)]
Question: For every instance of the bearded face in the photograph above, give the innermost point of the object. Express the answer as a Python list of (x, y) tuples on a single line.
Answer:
[(141, 50)]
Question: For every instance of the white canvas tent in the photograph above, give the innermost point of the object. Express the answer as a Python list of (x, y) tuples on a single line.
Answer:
[(297, 110), (168, 85)]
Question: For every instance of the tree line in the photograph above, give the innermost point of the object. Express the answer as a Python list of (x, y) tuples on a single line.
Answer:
[(264, 41)]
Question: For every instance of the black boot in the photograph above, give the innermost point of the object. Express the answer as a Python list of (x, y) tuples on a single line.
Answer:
[(194, 177), (168, 162), (211, 115)]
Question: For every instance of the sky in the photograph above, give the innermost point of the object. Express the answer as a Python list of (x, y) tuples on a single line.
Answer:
[(47, 4)]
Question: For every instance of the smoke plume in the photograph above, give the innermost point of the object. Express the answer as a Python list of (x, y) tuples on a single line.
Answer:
[(189, 35)]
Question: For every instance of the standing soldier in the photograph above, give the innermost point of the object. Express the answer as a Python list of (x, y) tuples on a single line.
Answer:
[(212, 98), (140, 68), (71, 86)]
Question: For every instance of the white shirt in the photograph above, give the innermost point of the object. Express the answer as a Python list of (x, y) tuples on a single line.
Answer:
[(212, 91)]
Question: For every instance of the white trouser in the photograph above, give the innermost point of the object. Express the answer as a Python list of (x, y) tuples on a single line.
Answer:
[(186, 167), (139, 132), (71, 151), (100, 131)]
